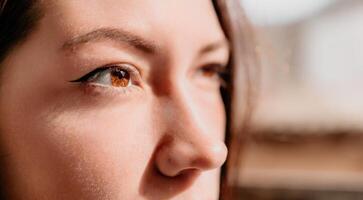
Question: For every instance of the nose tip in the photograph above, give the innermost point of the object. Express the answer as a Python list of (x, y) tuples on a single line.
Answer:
[(178, 157)]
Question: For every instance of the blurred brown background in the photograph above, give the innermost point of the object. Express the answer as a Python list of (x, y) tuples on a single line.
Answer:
[(307, 135)]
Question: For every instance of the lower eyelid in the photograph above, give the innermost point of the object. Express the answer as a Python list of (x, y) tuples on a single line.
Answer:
[(95, 89)]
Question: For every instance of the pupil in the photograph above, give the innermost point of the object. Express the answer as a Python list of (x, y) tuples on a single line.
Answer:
[(120, 73), (120, 78)]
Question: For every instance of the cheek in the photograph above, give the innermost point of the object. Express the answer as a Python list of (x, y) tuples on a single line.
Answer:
[(106, 131), (85, 149), (109, 147)]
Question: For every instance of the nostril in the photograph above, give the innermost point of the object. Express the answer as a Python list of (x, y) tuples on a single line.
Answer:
[(177, 160), (188, 172), (186, 175)]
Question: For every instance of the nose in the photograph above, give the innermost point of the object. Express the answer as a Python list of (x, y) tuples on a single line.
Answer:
[(191, 144), (179, 157)]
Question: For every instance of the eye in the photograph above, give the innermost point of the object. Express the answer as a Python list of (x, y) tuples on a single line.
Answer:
[(212, 70), (113, 75), (215, 73)]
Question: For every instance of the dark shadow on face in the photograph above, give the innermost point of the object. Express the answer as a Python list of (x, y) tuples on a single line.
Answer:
[(156, 186)]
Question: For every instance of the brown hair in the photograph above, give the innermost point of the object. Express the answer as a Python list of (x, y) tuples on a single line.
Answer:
[(242, 89), (19, 18)]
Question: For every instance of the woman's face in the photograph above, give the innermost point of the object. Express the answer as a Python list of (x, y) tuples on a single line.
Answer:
[(116, 99)]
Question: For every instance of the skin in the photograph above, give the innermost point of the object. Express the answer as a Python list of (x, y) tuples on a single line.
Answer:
[(159, 138)]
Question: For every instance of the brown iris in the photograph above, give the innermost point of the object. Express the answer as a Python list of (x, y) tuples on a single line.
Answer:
[(209, 72), (120, 77)]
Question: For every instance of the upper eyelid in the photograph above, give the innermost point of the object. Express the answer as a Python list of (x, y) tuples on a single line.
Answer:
[(88, 75), (220, 66), (222, 69), (106, 67)]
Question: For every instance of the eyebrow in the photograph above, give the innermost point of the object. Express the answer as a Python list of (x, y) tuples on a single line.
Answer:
[(214, 46), (130, 39), (112, 34)]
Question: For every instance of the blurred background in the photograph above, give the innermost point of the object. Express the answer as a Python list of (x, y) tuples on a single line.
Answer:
[(307, 136)]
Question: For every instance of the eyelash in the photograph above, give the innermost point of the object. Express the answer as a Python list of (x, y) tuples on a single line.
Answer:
[(219, 74), (91, 77)]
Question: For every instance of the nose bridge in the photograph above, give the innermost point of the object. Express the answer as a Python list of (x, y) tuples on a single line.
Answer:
[(185, 117), (195, 144)]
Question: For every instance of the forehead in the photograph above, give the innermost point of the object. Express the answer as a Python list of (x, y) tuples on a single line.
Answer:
[(164, 20)]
